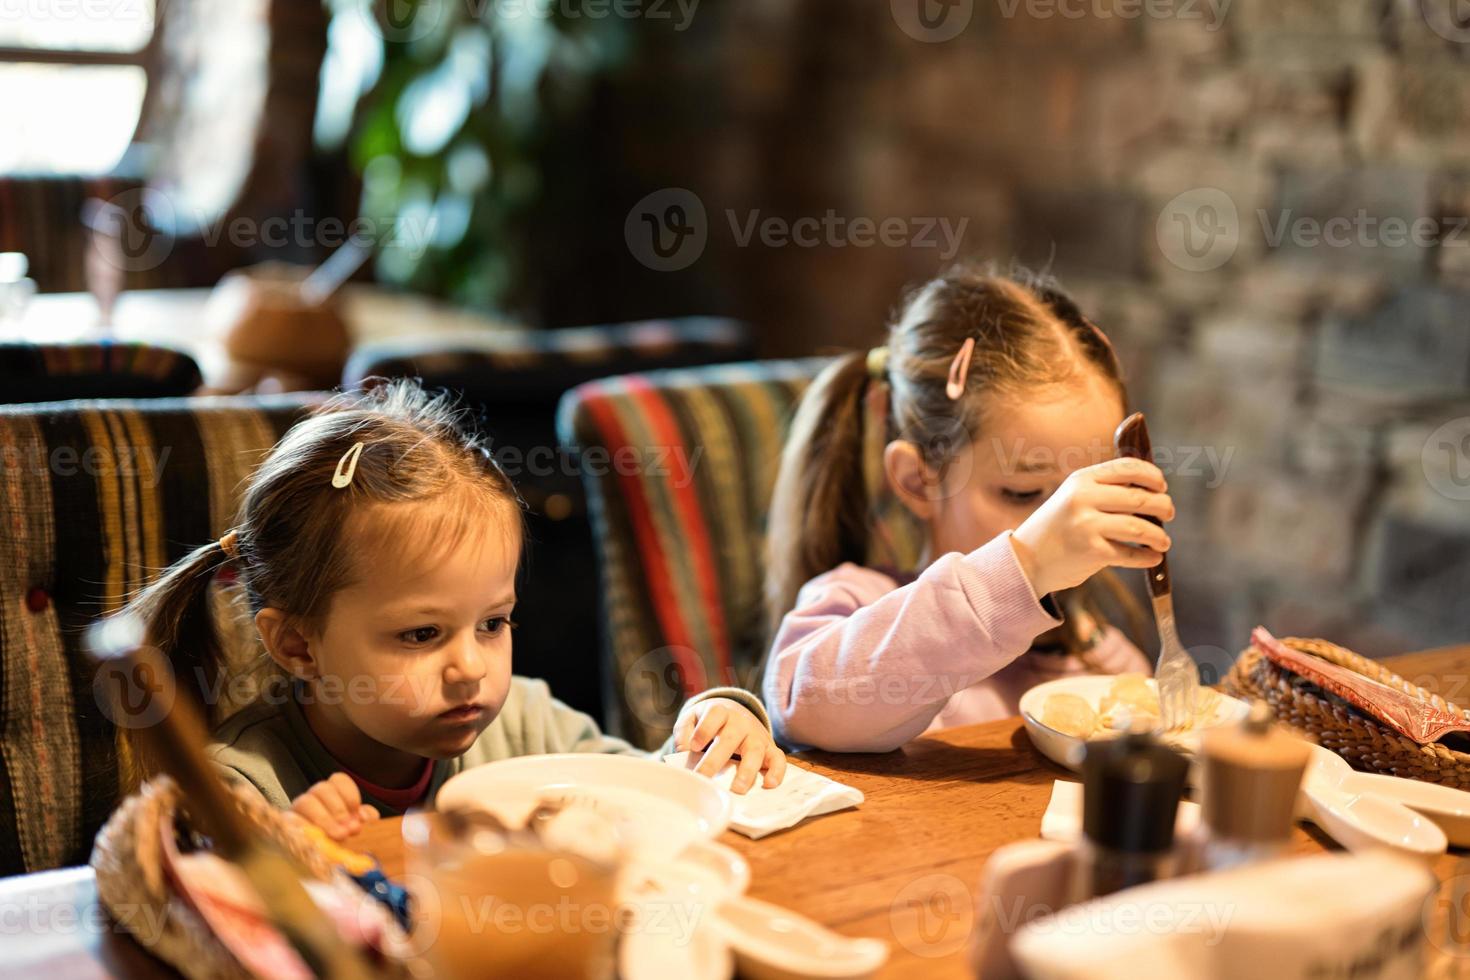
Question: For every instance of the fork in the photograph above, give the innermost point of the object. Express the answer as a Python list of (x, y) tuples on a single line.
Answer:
[(1177, 675)]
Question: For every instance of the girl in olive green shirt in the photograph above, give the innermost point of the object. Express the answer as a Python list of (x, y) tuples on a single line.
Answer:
[(378, 546)]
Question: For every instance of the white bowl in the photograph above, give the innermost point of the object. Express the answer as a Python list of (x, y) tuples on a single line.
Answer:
[(657, 809), (1066, 750)]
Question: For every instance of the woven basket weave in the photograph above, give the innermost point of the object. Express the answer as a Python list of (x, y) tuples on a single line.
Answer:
[(133, 886), (1363, 741)]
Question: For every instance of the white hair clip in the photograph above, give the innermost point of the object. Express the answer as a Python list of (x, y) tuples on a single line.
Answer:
[(959, 370), (347, 467)]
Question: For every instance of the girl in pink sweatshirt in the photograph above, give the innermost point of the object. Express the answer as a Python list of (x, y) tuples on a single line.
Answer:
[(989, 415)]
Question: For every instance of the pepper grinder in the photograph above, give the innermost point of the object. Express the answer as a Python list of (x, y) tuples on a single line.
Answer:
[(1131, 790), (1252, 773)]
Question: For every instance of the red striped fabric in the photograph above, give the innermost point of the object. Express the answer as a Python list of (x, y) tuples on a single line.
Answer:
[(655, 564), (691, 519)]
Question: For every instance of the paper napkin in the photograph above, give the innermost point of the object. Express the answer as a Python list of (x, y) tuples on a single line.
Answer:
[(1062, 820), (762, 811)]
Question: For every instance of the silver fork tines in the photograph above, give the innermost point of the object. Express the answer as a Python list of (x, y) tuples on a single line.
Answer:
[(1177, 674)]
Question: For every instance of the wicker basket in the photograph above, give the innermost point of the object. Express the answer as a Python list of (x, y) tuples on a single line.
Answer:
[(133, 885), (1363, 741)]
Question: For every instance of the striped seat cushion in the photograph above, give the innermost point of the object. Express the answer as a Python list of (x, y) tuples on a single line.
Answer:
[(100, 369), (97, 498), (679, 467)]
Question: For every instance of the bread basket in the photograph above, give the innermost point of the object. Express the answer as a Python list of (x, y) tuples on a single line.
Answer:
[(138, 880), (1363, 741)]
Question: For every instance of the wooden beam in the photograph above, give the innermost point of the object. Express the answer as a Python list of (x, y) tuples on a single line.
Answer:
[(54, 56)]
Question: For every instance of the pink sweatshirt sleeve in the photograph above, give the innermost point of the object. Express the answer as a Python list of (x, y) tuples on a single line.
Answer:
[(863, 665)]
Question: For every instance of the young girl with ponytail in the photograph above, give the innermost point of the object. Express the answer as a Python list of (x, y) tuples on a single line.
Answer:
[(989, 414), (378, 545)]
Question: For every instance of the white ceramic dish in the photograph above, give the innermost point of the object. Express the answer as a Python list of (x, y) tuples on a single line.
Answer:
[(658, 810), (1362, 811), (1066, 750), (772, 943), (1448, 807), (691, 919), (670, 905)]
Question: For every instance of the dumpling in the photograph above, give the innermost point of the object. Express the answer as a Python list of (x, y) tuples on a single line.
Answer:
[(1070, 715), (1131, 691)]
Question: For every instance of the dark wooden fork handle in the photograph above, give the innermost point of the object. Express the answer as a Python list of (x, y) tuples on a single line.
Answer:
[(1132, 439)]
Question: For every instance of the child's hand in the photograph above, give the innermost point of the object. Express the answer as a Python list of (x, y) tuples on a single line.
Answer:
[(1089, 523), (336, 806), (722, 728)]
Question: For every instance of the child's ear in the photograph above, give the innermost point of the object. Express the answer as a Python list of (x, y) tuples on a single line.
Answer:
[(286, 644), (909, 477)]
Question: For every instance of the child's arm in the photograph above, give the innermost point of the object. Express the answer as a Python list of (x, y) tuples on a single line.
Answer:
[(335, 805), (859, 666), (722, 723), (723, 720)]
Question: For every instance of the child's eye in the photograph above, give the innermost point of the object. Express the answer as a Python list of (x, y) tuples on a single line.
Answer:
[(1021, 496), (419, 636), (495, 625)]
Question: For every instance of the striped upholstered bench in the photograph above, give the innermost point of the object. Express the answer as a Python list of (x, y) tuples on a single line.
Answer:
[(95, 369), (96, 498), (679, 468)]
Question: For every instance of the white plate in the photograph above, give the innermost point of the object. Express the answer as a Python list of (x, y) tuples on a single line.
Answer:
[(658, 810), (1066, 750)]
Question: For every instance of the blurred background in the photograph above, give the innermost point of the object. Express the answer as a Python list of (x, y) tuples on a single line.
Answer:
[(1266, 203)]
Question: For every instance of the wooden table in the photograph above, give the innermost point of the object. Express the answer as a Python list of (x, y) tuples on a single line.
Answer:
[(178, 318), (903, 867)]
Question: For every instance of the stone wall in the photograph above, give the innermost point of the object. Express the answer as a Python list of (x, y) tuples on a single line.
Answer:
[(1265, 202)]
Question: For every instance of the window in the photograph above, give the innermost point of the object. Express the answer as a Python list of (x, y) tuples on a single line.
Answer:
[(71, 82)]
